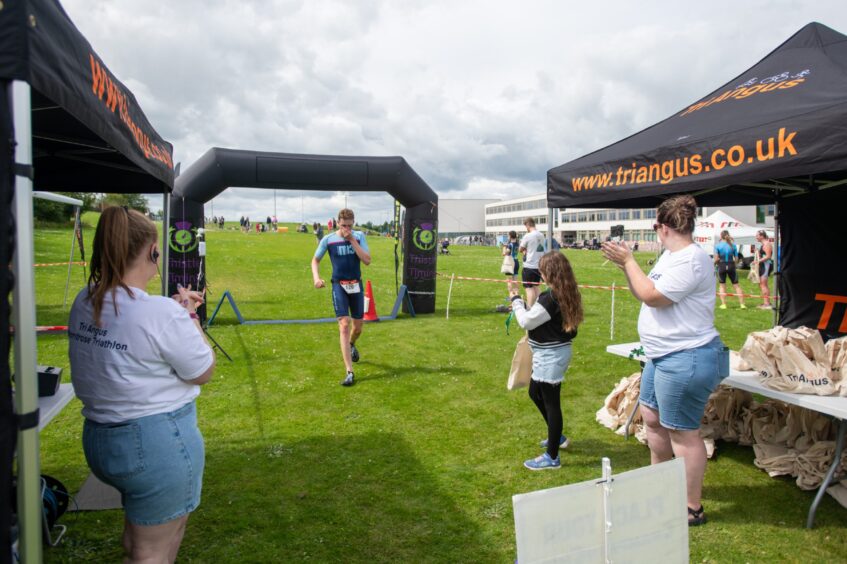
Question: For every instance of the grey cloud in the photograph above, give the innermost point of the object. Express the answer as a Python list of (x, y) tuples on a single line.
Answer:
[(481, 97)]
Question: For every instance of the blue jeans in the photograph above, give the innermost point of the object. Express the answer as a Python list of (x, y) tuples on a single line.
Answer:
[(156, 462), (679, 384)]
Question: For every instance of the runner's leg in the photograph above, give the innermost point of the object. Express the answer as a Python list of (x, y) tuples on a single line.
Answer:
[(357, 330), (344, 331)]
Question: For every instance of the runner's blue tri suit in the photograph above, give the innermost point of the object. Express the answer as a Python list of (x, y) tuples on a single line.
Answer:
[(348, 296), (726, 262)]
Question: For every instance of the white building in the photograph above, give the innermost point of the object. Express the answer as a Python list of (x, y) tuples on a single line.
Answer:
[(508, 215), (459, 217), (576, 225)]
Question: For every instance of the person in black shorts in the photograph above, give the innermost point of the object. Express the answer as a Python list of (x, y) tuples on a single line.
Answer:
[(765, 256), (725, 254), (532, 245)]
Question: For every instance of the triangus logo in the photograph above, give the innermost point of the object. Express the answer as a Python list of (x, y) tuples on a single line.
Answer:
[(783, 81)]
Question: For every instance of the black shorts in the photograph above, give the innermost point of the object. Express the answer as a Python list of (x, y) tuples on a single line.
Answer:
[(765, 269), (530, 275), (727, 269)]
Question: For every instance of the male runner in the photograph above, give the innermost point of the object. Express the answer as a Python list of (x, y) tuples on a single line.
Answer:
[(347, 250)]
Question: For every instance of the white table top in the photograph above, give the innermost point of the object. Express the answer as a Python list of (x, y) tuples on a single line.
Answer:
[(751, 381), (50, 406)]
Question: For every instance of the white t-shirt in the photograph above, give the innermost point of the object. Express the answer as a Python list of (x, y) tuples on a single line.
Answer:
[(687, 278), (533, 242), (137, 363)]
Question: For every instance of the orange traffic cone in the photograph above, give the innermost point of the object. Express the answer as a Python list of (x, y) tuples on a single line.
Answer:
[(370, 304)]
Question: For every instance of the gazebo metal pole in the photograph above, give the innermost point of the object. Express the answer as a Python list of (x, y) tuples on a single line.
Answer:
[(777, 260), (26, 386), (550, 212), (71, 258), (165, 246)]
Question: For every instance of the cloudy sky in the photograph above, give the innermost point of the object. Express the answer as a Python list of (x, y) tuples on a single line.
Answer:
[(481, 97)]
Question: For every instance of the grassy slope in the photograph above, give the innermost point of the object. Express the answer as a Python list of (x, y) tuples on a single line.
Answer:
[(419, 461)]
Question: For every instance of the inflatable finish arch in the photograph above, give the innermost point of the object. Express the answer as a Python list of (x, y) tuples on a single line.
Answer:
[(219, 169)]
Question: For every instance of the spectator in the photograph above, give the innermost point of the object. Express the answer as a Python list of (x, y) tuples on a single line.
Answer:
[(686, 358), (552, 324), (137, 364), (725, 255), (532, 246), (765, 265)]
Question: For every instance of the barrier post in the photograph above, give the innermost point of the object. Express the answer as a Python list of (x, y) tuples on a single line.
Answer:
[(612, 320), (450, 293)]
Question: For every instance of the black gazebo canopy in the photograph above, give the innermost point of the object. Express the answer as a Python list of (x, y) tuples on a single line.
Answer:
[(777, 133)]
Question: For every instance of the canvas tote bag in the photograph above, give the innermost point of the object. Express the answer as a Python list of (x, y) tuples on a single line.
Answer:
[(521, 371), (508, 266)]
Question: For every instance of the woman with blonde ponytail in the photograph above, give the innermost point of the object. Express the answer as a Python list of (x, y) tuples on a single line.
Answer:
[(552, 322), (137, 361)]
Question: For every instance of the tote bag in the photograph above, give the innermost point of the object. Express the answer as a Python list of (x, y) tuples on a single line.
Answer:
[(508, 266), (521, 371)]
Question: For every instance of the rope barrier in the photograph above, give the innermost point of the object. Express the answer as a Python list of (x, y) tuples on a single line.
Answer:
[(82, 263), (727, 294), (503, 281), (587, 286)]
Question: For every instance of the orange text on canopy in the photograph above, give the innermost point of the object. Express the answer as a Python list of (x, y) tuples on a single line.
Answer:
[(779, 146), (102, 85)]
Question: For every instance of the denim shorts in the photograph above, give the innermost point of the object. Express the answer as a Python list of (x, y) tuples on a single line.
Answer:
[(348, 305), (156, 462), (550, 364), (679, 384)]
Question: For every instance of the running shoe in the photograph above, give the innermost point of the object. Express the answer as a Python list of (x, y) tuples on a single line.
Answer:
[(742, 306), (348, 380), (354, 353), (722, 306), (543, 462), (563, 442)]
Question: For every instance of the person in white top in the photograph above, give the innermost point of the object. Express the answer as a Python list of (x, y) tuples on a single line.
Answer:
[(137, 362), (687, 359), (532, 245)]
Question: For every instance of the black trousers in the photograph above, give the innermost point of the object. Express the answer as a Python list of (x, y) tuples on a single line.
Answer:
[(547, 398)]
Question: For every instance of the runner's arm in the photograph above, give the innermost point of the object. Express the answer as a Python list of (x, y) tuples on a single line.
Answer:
[(316, 275), (363, 255)]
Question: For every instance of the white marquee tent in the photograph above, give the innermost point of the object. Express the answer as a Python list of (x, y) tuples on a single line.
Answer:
[(707, 232)]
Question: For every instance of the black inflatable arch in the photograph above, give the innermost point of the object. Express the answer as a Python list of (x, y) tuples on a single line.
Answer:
[(219, 169)]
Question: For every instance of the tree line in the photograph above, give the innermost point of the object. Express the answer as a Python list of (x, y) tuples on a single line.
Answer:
[(54, 212)]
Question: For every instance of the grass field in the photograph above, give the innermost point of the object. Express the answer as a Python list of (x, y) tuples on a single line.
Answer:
[(418, 461)]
